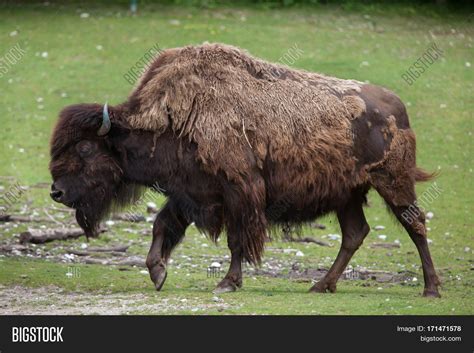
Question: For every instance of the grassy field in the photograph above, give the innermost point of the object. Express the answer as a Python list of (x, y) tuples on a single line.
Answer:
[(71, 53)]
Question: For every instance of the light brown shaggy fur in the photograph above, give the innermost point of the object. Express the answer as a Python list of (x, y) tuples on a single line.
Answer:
[(239, 109)]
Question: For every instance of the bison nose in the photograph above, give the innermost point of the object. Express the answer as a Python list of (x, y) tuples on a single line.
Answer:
[(56, 194)]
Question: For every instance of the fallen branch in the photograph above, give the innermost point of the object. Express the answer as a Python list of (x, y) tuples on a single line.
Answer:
[(52, 218), (310, 240), (385, 245), (113, 250), (41, 236), (318, 226), (25, 219), (61, 209), (131, 261), (128, 218)]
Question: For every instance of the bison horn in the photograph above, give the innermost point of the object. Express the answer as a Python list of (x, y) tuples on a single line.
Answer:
[(105, 127)]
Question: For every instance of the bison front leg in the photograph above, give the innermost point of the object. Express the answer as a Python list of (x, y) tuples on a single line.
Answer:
[(233, 278), (246, 228), (168, 230)]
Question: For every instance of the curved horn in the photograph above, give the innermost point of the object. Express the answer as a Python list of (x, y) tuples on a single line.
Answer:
[(105, 127)]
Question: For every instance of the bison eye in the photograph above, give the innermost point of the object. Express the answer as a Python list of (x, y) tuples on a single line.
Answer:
[(84, 149)]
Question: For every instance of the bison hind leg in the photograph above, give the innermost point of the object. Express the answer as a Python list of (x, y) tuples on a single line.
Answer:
[(399, 194)]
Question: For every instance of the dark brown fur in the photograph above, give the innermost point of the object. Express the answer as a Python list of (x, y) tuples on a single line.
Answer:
[(317, 145)]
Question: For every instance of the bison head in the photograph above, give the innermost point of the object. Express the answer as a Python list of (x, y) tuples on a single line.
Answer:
[(85, 168)]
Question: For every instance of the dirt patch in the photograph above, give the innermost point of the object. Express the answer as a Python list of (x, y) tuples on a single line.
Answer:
[(315, 274), (19, 300)]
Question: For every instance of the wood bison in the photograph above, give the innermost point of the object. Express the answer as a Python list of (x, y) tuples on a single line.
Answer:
[(240, 144)]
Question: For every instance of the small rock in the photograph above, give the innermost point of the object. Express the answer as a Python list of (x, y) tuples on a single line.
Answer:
[(110, 223), (44, 54), (468, 64), (429, 215), (144, 272), (467, 249), (379, 227), (174, 22), (151, 207), (334, 236), (216, 299), (69, 257), (83, 246), (382, 237), (14, 33), (215, 265), (84, 15), (299, 253)]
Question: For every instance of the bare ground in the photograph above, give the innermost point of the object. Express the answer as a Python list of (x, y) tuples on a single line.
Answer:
[(19, 300)]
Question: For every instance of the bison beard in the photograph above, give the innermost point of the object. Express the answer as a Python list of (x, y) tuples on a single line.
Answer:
[(94, 208), (91, 211), (89, 222)]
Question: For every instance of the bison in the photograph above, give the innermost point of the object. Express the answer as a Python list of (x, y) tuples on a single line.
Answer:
[(242, 145)]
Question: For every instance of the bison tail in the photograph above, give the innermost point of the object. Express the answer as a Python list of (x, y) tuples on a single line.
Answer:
[(421, 175)]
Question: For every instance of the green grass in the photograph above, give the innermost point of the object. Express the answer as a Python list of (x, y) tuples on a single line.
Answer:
[(365, 45)]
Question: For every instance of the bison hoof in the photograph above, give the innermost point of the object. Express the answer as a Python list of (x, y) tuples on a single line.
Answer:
[(226, 285), (323, 287), (158, 276), (431, 293)]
